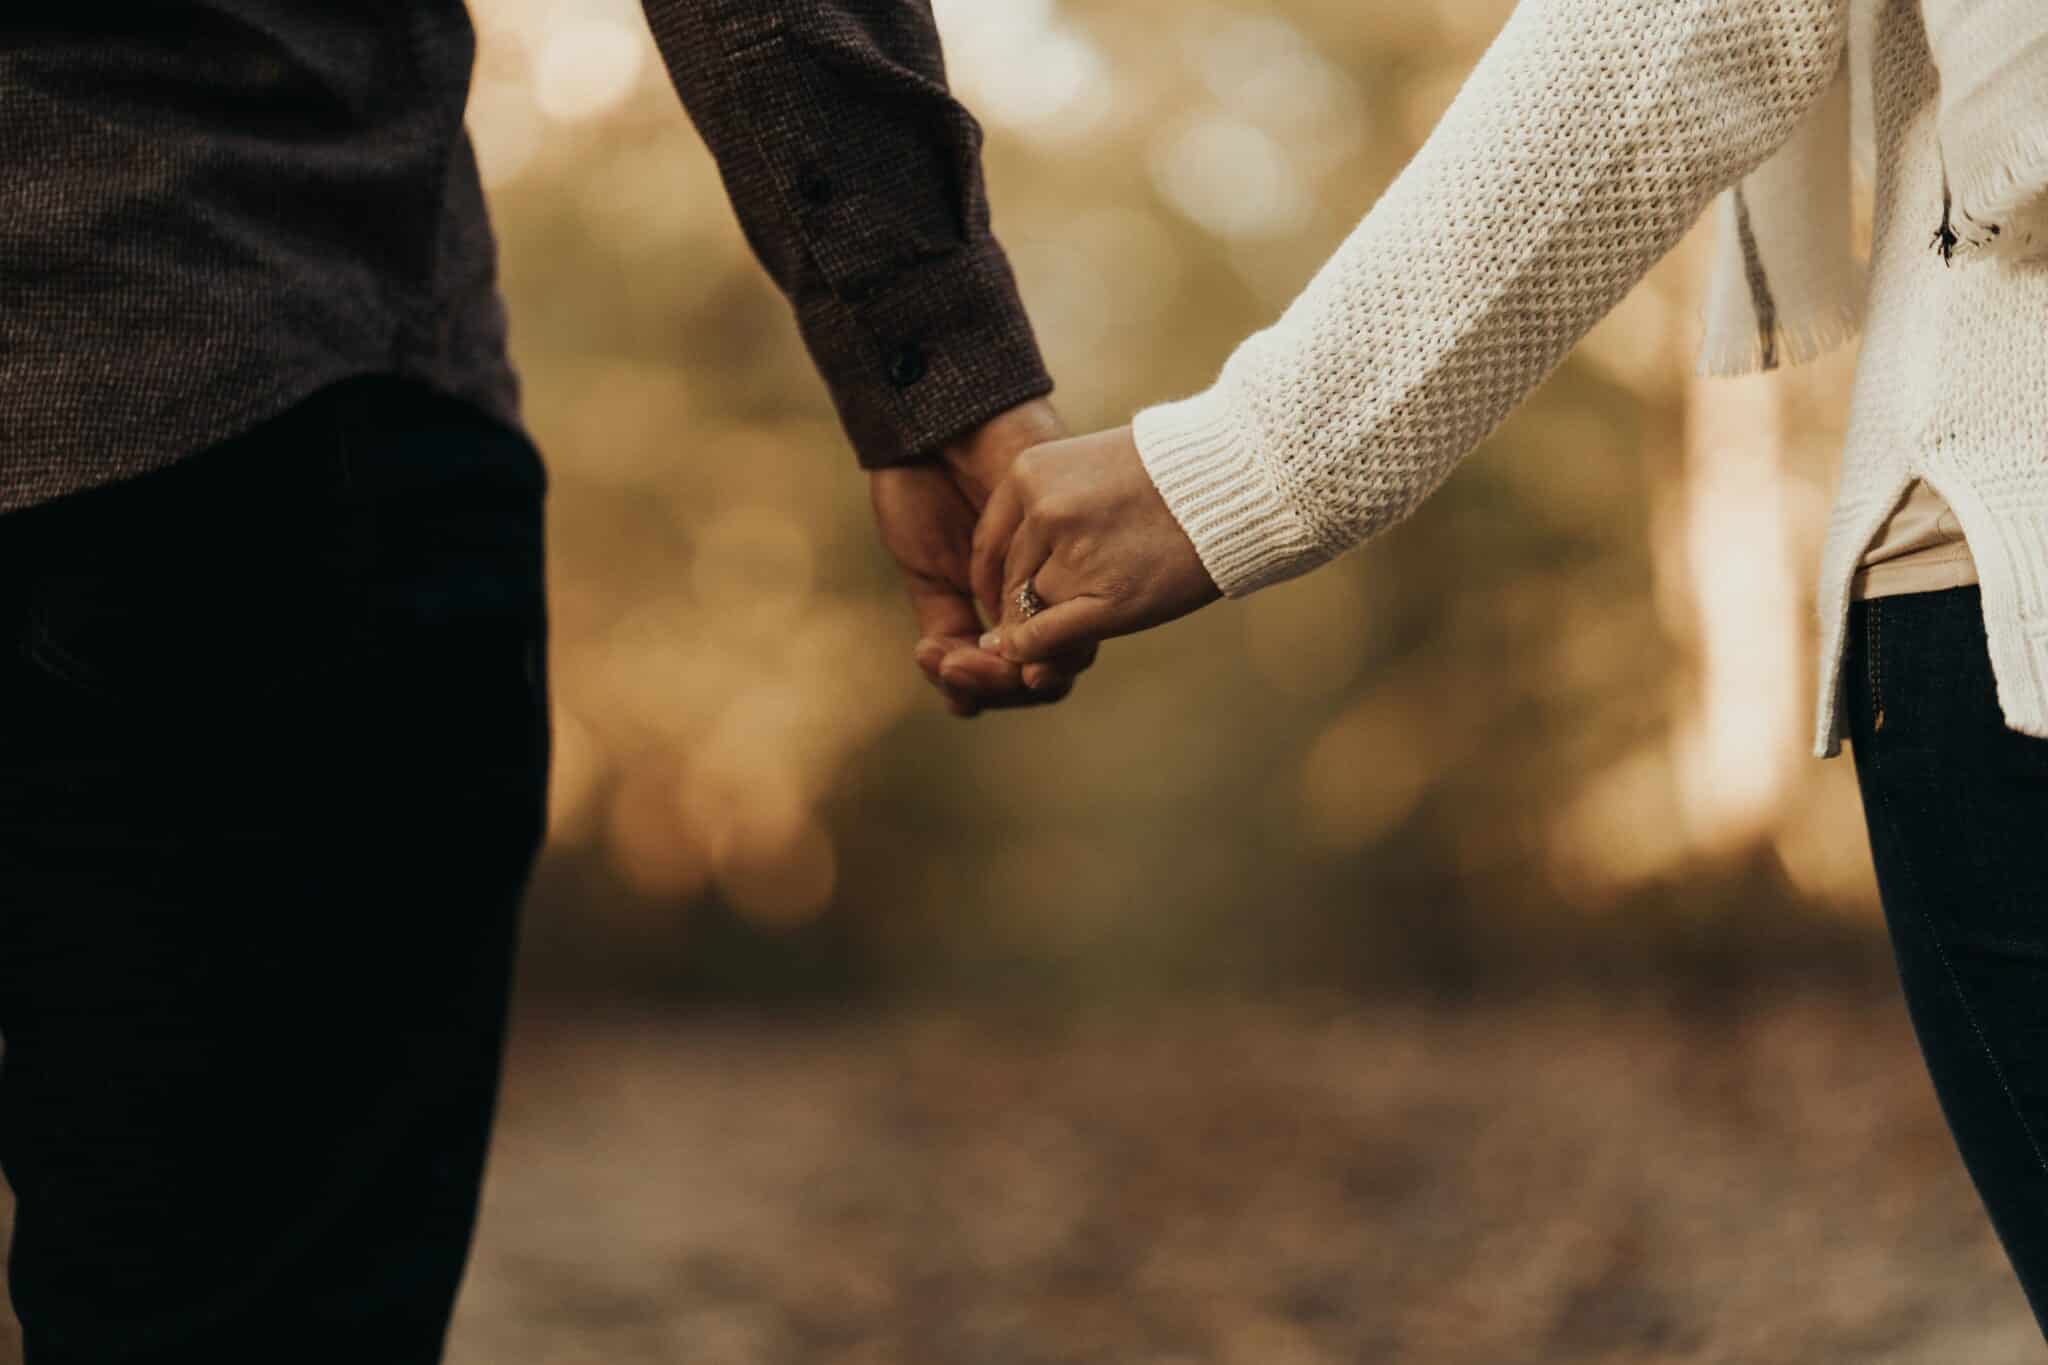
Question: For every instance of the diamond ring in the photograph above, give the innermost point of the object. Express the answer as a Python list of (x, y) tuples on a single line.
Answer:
[(1029, 603)]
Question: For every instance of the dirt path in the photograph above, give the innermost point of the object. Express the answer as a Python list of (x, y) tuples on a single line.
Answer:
[(1265, 1186), (1244, 1186)]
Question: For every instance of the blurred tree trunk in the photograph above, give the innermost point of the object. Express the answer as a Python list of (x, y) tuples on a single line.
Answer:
[(1735, 750)]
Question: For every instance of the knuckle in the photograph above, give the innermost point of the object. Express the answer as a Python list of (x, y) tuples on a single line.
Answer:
[(1059, 509), (1029, 468)]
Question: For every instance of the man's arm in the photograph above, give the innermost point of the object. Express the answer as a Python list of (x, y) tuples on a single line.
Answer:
[(857, 179)]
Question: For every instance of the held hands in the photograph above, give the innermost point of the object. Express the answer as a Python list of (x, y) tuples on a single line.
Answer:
[(926, 514), (1014, 506), (1080, 532)]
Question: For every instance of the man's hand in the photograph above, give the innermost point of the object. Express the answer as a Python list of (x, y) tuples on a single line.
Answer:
[(926, 514), (1082, 523)]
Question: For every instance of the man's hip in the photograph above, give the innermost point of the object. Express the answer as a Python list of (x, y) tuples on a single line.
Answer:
[(273, 767)]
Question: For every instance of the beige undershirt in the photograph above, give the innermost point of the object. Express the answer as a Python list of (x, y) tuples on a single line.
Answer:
[(1920, 548)]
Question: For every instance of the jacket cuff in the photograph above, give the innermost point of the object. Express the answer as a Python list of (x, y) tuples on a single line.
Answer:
[(1224, 495), (939, 349)]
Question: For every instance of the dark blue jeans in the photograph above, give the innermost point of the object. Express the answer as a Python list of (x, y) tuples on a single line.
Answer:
[(1957, 806), (273, 764)]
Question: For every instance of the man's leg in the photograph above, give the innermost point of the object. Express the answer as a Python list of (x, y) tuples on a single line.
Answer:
[(273, 762)]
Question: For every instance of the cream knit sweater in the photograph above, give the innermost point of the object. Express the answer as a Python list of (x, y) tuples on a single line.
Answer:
[(1588, 141)]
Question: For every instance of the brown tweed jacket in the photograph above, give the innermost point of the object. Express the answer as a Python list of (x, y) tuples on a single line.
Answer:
[(211, 208)]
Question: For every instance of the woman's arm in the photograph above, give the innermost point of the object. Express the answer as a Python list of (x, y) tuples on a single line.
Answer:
[(1581, 149), (1587, 142)]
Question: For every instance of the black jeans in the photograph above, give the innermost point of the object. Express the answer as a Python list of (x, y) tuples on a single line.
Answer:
[(273, 764), (1957, 806)]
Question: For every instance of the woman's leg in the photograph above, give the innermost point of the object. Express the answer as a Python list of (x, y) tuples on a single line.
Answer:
[(1957, 806), (272, 773)]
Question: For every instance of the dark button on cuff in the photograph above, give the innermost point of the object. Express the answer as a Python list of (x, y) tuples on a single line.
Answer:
[(907, 365), (815, 186)]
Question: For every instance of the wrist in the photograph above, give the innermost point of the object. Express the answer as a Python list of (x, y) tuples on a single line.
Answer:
[(1030, 423), (982, 457)]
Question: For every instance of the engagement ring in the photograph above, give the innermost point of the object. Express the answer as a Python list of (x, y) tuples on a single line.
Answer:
[(1029, 603)]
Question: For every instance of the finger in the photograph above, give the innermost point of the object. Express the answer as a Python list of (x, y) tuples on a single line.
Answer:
[(1064, 668), (946, 619), (1068, 664), (992, 536), (929, 654), (930, 657), (1059, 628), (1029, 550), (974, 672), (1024, 701), (962, 708), (997, 684), (973, 679), (943, 611), (1053, 586), (930, 662), (1043, 678), (1075, 662)]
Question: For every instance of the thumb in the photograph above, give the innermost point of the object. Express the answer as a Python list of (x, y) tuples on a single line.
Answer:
[(1057, 630), (943, 611)]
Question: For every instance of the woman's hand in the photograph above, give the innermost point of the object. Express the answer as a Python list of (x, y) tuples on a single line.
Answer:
[(1081, 523)]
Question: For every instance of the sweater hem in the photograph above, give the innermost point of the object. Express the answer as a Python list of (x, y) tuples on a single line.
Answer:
[(1842, 560), (2017, 644)]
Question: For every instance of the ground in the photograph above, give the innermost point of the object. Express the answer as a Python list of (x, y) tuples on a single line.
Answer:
[(1257, 1184)]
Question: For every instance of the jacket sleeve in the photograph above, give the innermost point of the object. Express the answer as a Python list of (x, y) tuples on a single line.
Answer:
[(857, 179)]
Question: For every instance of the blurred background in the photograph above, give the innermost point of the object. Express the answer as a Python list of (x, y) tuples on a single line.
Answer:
[(1452, 956), (1555, 725)]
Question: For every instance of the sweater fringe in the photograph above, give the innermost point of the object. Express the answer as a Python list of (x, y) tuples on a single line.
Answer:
[(1789, 344), (2004, 200)]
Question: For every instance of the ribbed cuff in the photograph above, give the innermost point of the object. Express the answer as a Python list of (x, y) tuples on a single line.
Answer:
[(1246, 531)]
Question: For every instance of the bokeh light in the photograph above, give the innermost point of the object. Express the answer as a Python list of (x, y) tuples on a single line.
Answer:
[(1555, 649), (585, 65), (1232, 177), (1022, 66)]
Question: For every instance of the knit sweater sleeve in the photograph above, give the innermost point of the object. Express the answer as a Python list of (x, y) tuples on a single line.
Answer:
[(1584, 145)]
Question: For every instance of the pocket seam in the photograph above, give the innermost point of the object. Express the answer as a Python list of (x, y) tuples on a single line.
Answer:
[(47, 652)]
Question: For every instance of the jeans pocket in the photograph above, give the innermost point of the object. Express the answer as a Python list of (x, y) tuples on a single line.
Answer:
[(236, 618)]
